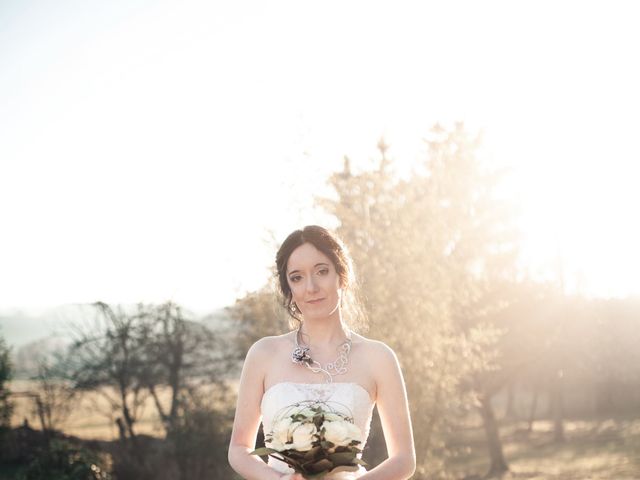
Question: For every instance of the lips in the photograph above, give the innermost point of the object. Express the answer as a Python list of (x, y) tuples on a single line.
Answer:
[(315, 301)]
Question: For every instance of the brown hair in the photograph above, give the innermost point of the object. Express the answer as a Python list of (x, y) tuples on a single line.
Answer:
[(332, 247)]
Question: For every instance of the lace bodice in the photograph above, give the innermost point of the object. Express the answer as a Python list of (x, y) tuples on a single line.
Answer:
[(351, 398)]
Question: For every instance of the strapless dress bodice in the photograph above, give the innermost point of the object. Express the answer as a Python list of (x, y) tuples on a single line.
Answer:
[(350, 398)]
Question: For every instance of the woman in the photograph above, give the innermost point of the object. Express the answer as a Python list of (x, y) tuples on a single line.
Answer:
[(316, 282)]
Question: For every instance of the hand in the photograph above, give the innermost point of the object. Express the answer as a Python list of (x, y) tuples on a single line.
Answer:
[(292, 476)]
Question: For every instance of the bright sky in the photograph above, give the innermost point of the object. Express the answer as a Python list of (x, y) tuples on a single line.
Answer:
[(148, 148)]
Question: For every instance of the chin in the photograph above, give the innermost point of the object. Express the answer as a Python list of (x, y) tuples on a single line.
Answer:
[(320, 314)]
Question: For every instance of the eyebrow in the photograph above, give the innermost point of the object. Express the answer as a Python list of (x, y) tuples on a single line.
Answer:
[(316, 265)]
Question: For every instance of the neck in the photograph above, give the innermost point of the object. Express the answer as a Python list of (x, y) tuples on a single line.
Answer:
[(324, 332)]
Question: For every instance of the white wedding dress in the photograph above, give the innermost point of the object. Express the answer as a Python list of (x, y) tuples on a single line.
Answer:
[(350, 398)]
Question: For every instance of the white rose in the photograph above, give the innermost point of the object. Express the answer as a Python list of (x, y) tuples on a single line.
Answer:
[(303, 436), (282, 431), (276, 445), (341, 433), (354, 432), (332, 417)]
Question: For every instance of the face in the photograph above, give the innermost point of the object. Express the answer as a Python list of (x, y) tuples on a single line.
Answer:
[(314, 282)]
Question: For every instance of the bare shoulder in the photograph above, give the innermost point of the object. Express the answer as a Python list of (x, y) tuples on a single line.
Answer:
[(378, 352), (265, 347), (260, 357)]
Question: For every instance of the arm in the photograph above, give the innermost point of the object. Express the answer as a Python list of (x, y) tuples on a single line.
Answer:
[(247, 418), (393, 408)]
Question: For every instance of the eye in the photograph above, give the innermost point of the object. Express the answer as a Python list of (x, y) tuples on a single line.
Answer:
[(295, 278), (323, 271)]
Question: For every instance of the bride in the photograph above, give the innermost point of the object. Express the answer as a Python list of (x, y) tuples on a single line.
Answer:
[(315, 278)]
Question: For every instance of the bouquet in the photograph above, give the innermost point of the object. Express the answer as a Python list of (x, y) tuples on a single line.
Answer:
[(314, 439)]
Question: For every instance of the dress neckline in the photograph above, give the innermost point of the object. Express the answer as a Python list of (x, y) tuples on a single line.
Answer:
[(324, 385)]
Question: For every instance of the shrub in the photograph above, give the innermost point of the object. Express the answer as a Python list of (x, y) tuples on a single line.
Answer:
[(63, 461)]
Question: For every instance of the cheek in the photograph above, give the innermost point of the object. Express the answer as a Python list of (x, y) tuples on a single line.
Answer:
[(295, 289)]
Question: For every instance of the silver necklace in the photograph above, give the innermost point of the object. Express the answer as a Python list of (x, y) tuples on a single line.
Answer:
[(300, 356)]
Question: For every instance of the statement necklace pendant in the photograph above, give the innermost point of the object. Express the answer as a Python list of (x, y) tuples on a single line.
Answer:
[(300, 356)]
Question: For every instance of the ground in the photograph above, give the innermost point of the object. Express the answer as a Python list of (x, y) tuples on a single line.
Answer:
[(595, 449), (604, 448)]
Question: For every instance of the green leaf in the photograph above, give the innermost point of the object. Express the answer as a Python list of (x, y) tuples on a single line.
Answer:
[(293, 463), (319, 466), (263, 451), (342, 458), (296, 455), (318, 420), (313, 453)]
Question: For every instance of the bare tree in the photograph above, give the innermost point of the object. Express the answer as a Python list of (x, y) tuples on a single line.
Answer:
[(182, 356), (108, 357), (54, 397)]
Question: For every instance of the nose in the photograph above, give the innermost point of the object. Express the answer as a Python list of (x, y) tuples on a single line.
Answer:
[(311, 284)]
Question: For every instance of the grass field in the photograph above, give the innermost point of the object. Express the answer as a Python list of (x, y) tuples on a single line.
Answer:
[(595, 449), (91, 416)]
